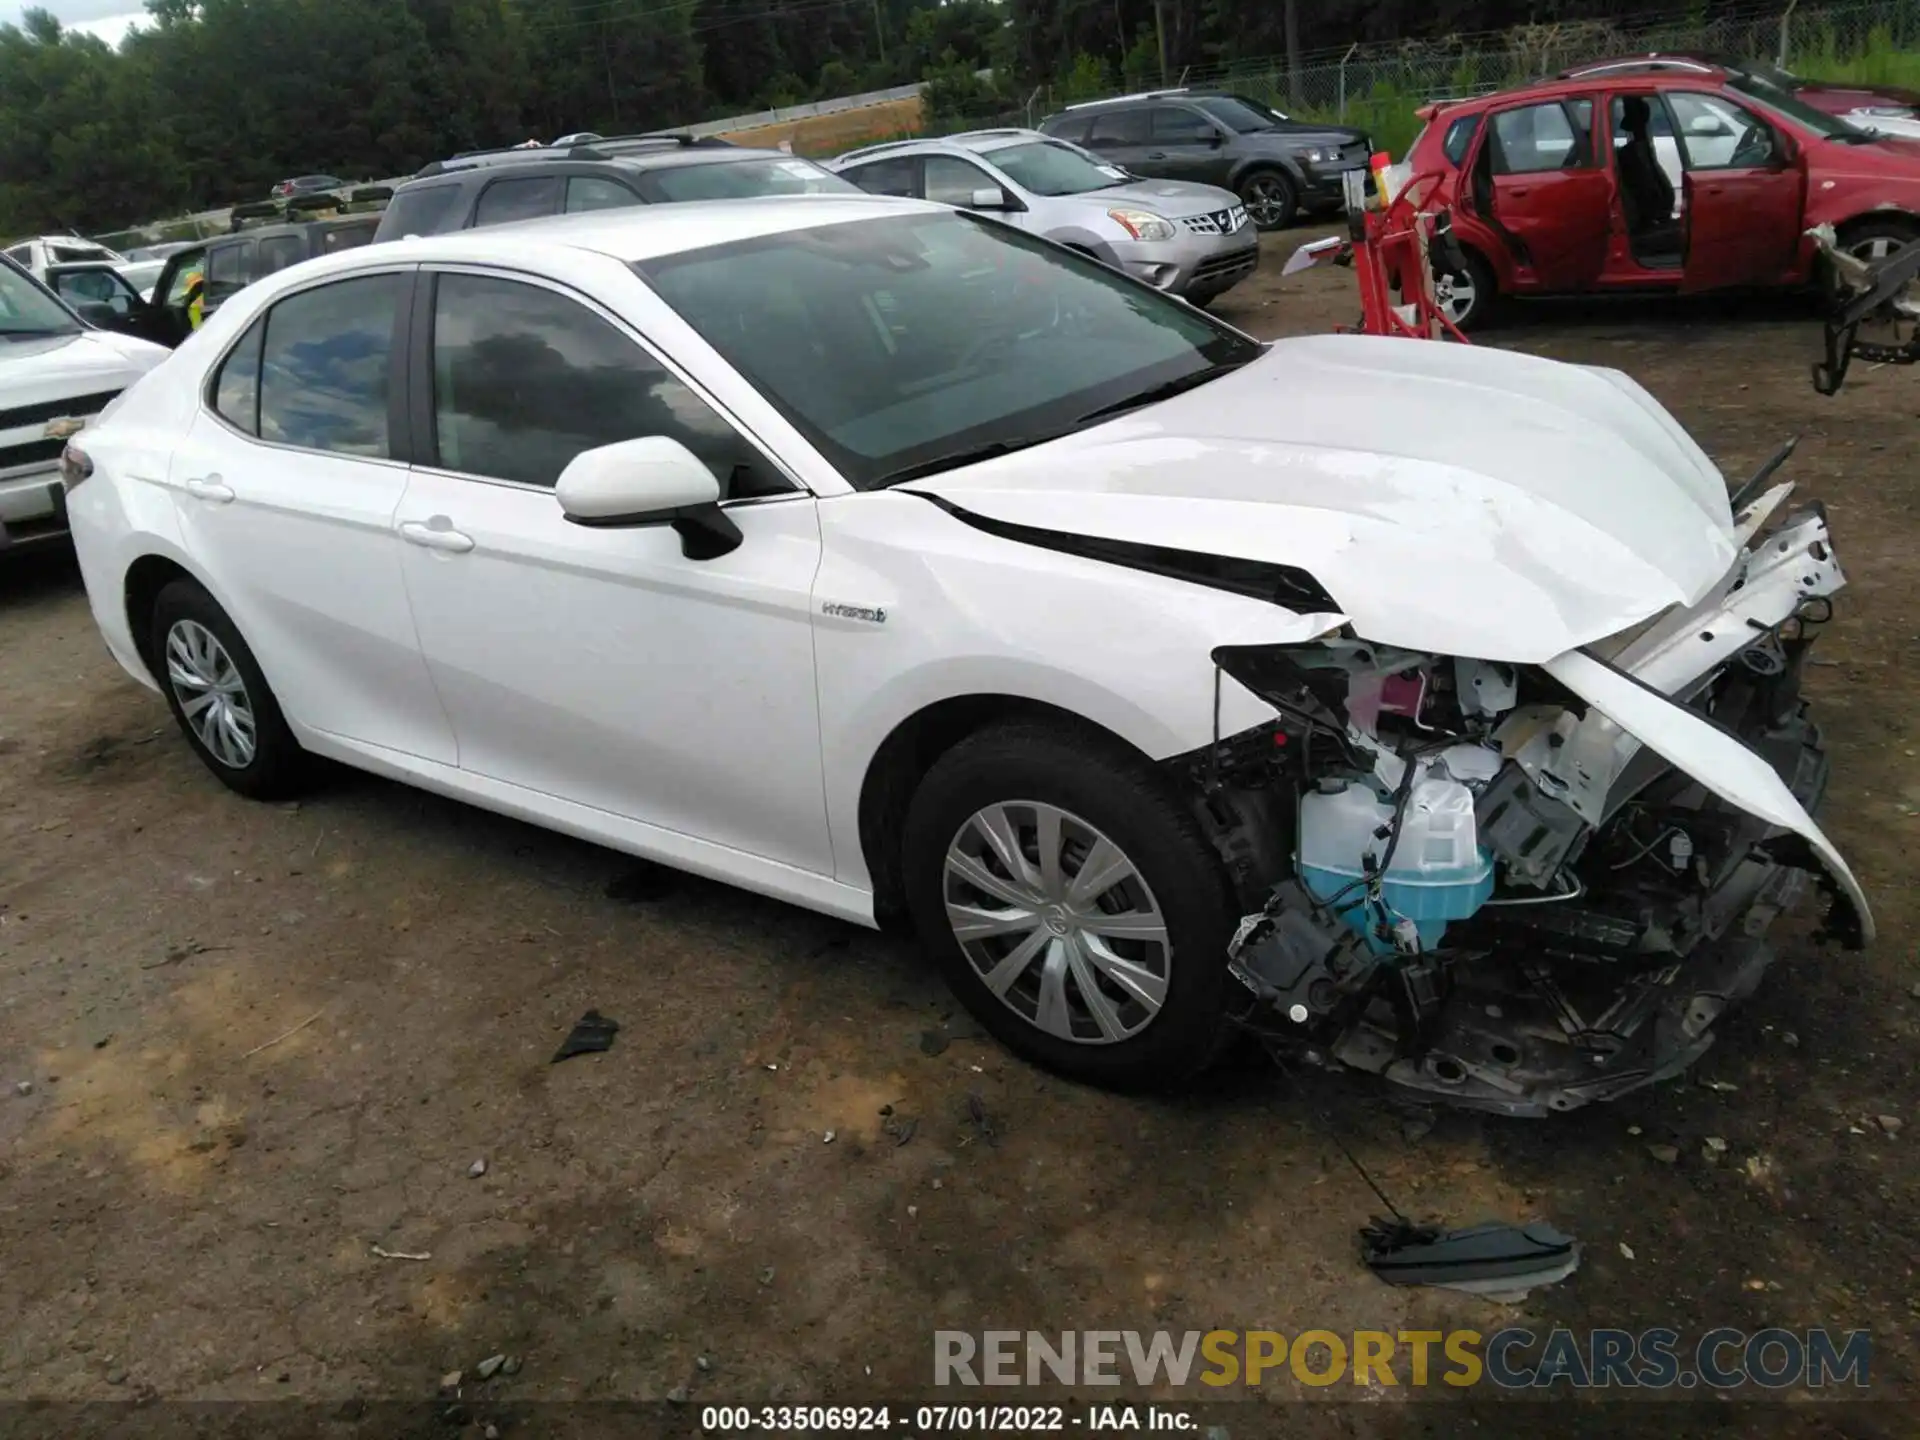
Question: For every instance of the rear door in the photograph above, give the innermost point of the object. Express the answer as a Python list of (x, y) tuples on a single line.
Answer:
[(1550, 196), (1745, 193), (1125, 136), (518, 197)]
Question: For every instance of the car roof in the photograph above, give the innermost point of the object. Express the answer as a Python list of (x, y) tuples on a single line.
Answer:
[(642, 152), (1657, 61)]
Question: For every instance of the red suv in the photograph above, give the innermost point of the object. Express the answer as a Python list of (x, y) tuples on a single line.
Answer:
[(1653, 178)]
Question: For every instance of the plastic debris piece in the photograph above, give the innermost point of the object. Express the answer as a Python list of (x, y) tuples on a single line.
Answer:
[(594, 1033), (1496, 1259)]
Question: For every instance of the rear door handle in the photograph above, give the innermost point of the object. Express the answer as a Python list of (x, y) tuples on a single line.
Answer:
[(210, 487), (429, 538)]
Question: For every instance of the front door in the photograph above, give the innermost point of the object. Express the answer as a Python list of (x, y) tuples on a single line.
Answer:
[(286, 490), (1551, 197), (1187, 146), (1124, 136), (1745, 194), (604, 666)]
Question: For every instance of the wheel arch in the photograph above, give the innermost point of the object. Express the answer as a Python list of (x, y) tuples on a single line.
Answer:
[(1256, 164), (911, 749), (1887, 215), (146, 577)]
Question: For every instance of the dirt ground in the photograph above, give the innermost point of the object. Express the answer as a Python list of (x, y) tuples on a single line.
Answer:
[(242, 1046)]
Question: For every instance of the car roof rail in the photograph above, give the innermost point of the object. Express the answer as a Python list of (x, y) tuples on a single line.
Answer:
[(607, 147), (1139, 95), (992, 130), (1642, 62), (885, 145)]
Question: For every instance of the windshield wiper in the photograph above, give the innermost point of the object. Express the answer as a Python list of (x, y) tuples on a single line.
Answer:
[(1164, 391), (954, 459)]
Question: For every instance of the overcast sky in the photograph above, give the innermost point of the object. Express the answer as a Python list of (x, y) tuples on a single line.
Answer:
[(109, 19)]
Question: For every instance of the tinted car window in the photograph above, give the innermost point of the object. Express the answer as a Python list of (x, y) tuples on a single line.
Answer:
[(525, 379), (952, 182), (347, 237), (1068, 127), (892, 342), (741, 180), (898, 176), (226, 270), (1241, 115), (324, 366), (421, 210), (1459, 138), (1177, 125), (236, 388), (1121, 127), (591, 192), (1049, 169), (521, 199), (280, 251)]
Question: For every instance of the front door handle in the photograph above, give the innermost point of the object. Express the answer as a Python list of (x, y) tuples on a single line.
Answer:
[(429, 537), (1156, 154), (209, 487)]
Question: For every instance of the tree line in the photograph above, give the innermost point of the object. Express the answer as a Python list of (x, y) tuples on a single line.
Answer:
[(211, 101)]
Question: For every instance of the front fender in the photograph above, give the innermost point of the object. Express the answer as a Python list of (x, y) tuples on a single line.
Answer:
[(913, 606)]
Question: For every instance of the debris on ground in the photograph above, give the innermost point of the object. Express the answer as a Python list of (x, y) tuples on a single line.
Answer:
[(1889, 1123), (450, 1381), (1665, 1154), (402, 1254), (827, 1139), (1714, 1147), (511, 1366), (489, 1367), (982, 1122), (703, 1363), (24, 1087), (677, 1395), (1626, 1251), (185, 951), (934, 1042), (592, 1034), (641, 882), (477, 1169), (269, 1044), (766, 1276), (1495, 1259), (899, 1128)]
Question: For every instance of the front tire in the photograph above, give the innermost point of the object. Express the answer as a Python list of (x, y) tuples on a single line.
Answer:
[(1270, 198), (1878, 238), (220, 698), (1072, 903)]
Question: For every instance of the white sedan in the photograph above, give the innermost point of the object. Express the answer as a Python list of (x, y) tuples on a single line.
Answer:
[(885, 560)]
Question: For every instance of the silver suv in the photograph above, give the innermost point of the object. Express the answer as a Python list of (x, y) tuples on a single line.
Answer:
[(1190, 240)]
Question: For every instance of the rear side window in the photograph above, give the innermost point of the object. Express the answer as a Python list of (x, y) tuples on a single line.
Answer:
[(520, 199), (1538, 138), (898, 176), (524, 380), (1121, 127), (1177, 125), (1459, 138), (346, 237), (226, 271), (236, 388), (421, 210), (324, 366), (591, 192), (279, 252), (1068, 127)]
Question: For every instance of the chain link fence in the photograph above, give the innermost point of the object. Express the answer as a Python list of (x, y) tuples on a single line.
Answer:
[(1379, 87)]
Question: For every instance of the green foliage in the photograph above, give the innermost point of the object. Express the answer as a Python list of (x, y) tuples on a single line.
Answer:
[(1088, 78)]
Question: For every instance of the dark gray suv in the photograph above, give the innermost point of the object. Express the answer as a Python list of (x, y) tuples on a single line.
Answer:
[(1278, 167), (492, 187)]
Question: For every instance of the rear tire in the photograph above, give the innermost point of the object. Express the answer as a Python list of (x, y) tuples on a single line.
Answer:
[(1270, 198), (1118, 981), (1474, 290), (220, 698)]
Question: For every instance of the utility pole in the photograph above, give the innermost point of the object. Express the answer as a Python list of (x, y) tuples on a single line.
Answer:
[(879, 32), (1293, 52), (1160, 30)]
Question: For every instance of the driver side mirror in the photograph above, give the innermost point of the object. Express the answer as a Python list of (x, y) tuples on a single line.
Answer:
[(654, 480), (1216, 140), (988, 197)]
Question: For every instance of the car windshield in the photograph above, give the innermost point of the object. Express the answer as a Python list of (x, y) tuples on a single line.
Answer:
[(743, 180), (1829, 127), (1238, 114), (28, 309), (915, 343), (1046, 167)]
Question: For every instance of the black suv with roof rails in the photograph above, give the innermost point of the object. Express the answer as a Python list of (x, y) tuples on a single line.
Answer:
[(1279, 167), (492, 187)]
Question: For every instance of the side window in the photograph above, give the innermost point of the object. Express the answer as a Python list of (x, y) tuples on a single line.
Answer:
[(952, 182), (21, 255), (1177, 125), (525, 379), (280, 251), (1538, 138), (590, 192), (236, 388), (324, 366), (182, 278), (421, 210), (1716, 134), (897, 176), (1071, 128), (1459, 138), (226, 271), (1131, 126), (521, 199)]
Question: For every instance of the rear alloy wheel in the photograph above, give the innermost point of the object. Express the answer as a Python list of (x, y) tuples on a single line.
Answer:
[(1072, 903), (1466, 295), (219, 696), (1270, 199)]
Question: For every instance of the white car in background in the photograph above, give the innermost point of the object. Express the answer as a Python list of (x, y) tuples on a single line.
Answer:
[(880, 558)]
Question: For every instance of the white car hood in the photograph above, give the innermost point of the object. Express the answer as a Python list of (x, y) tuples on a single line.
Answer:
[(91, 362), (1453, 499)]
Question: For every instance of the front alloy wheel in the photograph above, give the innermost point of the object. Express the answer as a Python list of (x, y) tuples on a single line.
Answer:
[(1269, 199), (212, 693), (1057, 922)]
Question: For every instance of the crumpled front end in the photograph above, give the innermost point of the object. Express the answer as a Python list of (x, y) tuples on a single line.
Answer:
[(1523, 888)]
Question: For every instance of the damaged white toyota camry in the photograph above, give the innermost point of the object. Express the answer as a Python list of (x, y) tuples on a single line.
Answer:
[(1427, 710)]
